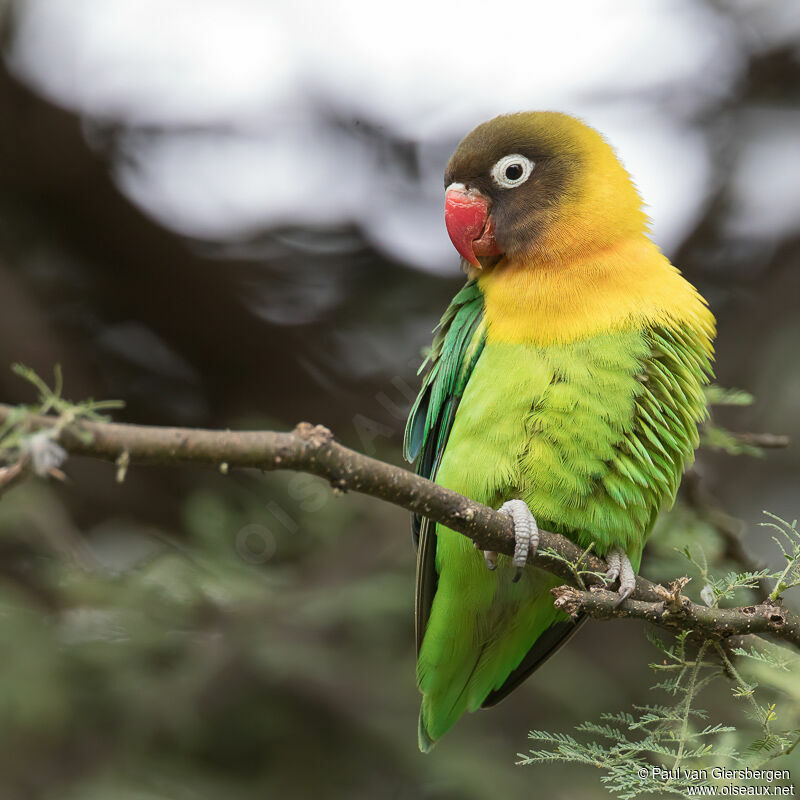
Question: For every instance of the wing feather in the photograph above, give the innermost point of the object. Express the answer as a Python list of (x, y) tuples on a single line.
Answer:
[(456, 348)]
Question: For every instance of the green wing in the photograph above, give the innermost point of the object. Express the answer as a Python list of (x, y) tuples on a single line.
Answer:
[(457, 345)]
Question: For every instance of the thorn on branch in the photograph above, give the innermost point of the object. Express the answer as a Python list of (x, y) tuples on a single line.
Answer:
[(123, 462)]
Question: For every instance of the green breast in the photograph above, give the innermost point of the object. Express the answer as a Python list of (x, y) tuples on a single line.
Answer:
[(593, 435)]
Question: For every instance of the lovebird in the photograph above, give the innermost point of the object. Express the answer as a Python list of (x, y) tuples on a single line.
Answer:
[(564, 386)]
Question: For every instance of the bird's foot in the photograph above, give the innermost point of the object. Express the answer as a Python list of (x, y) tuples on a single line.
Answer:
[(490, 557), (526, 536), (526, 533), (619, 566)]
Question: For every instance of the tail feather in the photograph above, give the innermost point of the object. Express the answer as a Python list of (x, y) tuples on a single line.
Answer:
[(426, 743), (470, 648)]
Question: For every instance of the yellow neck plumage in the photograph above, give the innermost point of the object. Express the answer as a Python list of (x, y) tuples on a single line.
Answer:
[(628, 284)]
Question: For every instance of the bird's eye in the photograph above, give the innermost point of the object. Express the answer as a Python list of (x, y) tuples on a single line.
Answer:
[(511, 171)]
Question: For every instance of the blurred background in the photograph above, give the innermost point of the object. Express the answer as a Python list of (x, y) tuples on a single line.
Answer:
[(230, 214)]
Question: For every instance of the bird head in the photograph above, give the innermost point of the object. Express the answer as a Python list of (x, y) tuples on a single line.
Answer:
[(538, 185)]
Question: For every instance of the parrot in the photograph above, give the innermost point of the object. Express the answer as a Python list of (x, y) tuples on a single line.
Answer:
[(564, 386)]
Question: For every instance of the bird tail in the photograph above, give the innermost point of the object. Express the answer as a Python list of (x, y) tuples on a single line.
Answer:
[(426, 743), (470, 647)]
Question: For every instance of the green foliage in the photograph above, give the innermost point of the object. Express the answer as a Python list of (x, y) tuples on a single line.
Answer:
[(714, 436), (241, 650), (14, 433), (575, 567), (725, 587), (720, 396), (707, 547), (789, 545), (776, 672), (192, 661), (669, 749), (656, 749), (666, 554)]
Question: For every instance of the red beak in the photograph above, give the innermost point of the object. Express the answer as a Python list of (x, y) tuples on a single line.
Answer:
[(470, 225)]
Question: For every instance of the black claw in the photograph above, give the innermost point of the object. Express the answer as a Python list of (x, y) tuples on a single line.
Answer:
[(517, 575), (623, 597)]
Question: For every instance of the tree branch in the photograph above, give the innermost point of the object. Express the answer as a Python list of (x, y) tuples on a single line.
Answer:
[(312, 449), (679, 613)]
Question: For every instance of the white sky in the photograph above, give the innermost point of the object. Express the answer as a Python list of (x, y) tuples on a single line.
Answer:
[(259, 73)]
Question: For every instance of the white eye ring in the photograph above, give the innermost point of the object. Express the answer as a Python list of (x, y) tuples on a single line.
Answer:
[(525, 167)]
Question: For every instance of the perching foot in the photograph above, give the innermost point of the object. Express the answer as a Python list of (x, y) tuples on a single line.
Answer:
[(619, 566), (489, 556), (526, 533)]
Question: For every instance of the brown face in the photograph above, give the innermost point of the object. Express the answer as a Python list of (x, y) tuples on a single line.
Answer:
[(504, 183)]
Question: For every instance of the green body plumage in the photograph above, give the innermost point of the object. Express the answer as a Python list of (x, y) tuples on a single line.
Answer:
[(593, 435)]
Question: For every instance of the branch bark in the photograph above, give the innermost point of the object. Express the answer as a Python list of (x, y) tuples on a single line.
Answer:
[(312, 449), (679, 613)]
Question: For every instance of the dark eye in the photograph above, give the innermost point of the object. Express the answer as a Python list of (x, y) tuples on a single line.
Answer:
[(512, 170)]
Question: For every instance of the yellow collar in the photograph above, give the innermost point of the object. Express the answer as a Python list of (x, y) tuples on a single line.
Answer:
[(629, 284)]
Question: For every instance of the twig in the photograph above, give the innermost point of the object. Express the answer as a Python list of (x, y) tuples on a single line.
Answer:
[(729, 528), (679, 613), (744, 689), (687, 708), (312, 449), (13, 474), (765, 440)]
